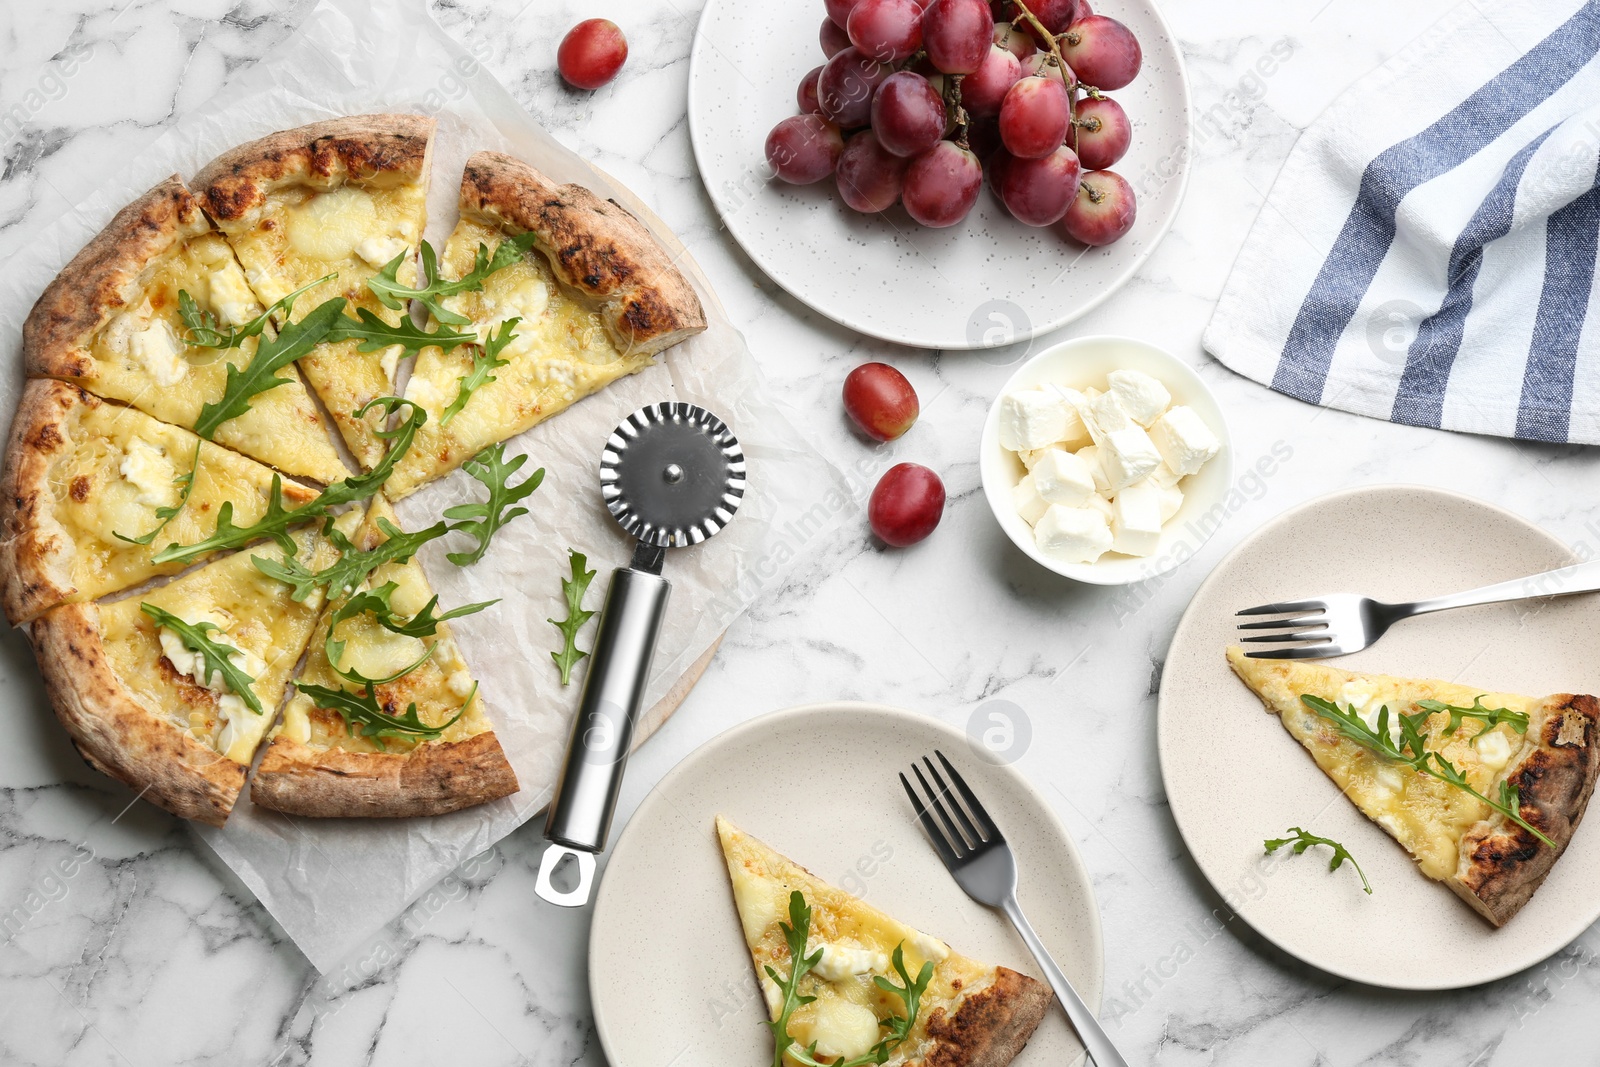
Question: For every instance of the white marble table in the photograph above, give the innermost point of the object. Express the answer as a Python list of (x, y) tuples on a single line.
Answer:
[(147, 951)]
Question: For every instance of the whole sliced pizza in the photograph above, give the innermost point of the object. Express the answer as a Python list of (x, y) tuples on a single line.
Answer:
[(194, 521)]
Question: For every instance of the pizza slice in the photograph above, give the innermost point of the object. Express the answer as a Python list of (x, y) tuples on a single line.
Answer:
[(346, 197), (418, 744), (144, 701), (112, 322), (971, 1014), (85, 481), (1534, 758), (594, 296)]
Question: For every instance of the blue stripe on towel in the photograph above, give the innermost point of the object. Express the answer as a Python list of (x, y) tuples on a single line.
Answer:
[(1364, 241), (1572, 239), (1420, 400)]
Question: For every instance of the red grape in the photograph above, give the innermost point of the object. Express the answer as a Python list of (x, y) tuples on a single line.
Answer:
[(984, 89), (957, 34), (869, 176), (1056, 15), (907, 114), (846, 85), (591, 53), (833, 38), (804, 148), (907, 503), (1046, 62), (1103, 51), (880, 401), (886, 30), (942, 184), (1013, 40), (839, 11), (806, 95), (1104, 132), (1103, 210), (1037, 192), (1084, 10), (1035, 117)]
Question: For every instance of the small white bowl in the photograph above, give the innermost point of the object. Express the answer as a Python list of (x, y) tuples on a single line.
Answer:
[(1081, 363)]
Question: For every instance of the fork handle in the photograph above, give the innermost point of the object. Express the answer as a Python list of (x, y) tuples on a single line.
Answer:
[(1090, 1032), (1579, 578)]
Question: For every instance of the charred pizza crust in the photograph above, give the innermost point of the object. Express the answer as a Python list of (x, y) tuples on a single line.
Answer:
[(432, 779), (990, 1027)]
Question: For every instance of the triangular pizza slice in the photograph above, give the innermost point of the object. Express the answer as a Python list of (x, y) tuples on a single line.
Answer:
[(141, 685), (594, 296), (346, 197), (971, 1014), (1531, 758), (113, 322), (346, 749)]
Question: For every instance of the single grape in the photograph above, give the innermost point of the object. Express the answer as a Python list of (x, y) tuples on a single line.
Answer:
[(1083, 9), (942, 184), (1104, 132), (1037, 192), (880, 401), (1103, 51), (886, 30), (839, 11), (1035, 117), (1046, 63), (846, 85), (957, 34), (907, 114), (804, 148), (1013, 40), (591, 53), (1056, 15), (1103, 211), (869, 176), (833, 38), (806, 95), (907, 503), (983, 90)]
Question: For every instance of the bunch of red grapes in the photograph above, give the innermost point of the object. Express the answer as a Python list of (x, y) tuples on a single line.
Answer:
[(920, 98)]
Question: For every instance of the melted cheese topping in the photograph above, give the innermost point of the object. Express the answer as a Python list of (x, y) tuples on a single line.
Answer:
[(1426, 815), (560, 354)]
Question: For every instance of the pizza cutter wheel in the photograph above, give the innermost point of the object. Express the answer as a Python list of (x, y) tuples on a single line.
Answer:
[(672, 475)]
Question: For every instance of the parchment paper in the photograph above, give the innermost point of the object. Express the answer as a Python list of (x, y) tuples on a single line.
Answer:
[(334, 883)]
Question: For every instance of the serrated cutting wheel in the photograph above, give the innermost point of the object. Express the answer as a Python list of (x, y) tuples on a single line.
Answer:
[(672, 475)]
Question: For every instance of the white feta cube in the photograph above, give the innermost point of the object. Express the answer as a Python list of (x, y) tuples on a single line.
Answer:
[(1141, 396), (1077, 434), (1186, 443), (1102, 415), (1032, 418), (1029, 504), (1136, 520), (1171, 500), (1102, 504), (1091, 459), (1073, 535), (1063, 478), (1164, 476), (1128, 456)]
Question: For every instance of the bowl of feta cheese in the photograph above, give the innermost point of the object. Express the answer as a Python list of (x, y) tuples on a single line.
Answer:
[(1103, 457)]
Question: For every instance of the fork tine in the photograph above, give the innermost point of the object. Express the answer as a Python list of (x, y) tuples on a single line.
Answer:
[(990, 830), (1278, 624), (966, 824), (1286, 606), (1302, 652), (940, 845), (958, 844), (1309, 635)]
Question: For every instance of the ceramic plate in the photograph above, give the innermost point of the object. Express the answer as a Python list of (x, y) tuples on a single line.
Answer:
[(989, 280), (1235, 777), (669, 974)]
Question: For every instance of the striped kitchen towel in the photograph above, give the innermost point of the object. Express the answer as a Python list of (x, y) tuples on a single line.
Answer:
[(1428, 252)]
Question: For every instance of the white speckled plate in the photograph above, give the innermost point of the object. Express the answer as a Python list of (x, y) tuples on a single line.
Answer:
[(1234, 775), (669, 974), (987, 281)]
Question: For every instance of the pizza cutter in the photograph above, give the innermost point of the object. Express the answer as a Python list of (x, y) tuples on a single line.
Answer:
[(672, 475)]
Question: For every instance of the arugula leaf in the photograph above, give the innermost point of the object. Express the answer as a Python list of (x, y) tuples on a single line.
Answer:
[(1490, 717), (1304, 839), (353, 564), (375, 334), (218, 655), (483, 520), (796, 932), (292, 342), (363, 710), (485, 360), (375, 601), (573, 590), (204, 331), (387, 288), (1509, 802), (185, 484), (274, 523)]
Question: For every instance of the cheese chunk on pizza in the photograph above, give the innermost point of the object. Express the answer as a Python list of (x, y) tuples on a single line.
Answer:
[(972, 1014), (595, 298), (321, 763), (1546, 749), (344, 197), (143, 705), (79, 472), (110, 322)]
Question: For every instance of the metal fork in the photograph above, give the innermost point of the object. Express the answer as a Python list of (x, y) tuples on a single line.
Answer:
[(1338, 624), (979, 859)]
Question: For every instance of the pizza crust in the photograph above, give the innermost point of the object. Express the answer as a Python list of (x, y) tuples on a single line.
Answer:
[(118, 736), (991, 1026), (432, 779), (595, 247), (35, 549)]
